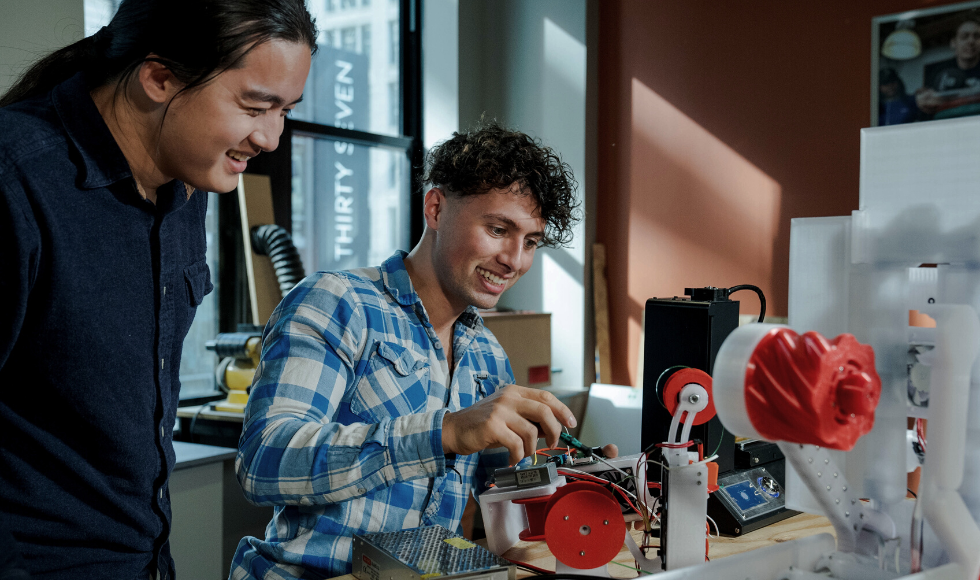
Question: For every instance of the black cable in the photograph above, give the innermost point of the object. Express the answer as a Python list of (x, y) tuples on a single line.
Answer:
[(912, 492), (757, 290), (190, 428), (274, 241)]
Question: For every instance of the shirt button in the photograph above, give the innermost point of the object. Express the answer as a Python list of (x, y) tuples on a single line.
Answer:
[(361, 490)]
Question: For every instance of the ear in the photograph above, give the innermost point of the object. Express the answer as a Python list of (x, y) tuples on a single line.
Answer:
[(157, 81), (433, 207)]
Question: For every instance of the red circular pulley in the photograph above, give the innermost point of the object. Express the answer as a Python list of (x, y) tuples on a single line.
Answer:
[(584, 526), (677, 381)]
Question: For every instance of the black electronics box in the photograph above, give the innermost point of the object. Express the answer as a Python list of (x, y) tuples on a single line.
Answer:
[(685, 332), (753, 495)]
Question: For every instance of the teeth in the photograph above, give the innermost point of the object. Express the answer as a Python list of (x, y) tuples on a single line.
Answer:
[(495, 279), (238, 156)]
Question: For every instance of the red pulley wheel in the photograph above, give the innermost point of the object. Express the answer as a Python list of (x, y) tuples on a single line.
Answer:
[(584, 527), (677, 381)]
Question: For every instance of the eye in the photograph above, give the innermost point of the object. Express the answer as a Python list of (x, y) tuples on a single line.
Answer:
[(254, 112), (497, 230), (531, 243)]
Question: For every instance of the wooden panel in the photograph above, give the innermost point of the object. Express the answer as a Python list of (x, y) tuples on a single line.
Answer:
[(600, 295), (526, 338), (255, 201)]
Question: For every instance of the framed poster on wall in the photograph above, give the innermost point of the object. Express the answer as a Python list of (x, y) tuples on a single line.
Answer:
[(925, 64)]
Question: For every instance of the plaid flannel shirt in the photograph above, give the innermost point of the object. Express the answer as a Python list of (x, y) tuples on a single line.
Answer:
[(343, 429)]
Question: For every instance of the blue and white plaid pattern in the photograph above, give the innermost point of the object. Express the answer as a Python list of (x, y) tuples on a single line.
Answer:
[(343, 429)]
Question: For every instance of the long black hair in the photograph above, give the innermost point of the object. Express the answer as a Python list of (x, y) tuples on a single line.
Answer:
[(196, 39)]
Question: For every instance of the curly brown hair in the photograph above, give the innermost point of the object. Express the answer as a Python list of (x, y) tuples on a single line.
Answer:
[(493, 157)]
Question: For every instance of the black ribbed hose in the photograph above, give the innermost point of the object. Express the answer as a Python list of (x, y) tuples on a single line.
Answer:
[(274, 241)]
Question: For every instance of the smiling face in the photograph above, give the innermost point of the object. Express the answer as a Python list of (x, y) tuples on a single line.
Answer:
[(484, 244), (209, 133)]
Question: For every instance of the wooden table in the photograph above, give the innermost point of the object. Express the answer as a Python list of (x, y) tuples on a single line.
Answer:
[(799, 526)]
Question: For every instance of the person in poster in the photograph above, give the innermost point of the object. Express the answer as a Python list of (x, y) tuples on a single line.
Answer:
[(952, 87)]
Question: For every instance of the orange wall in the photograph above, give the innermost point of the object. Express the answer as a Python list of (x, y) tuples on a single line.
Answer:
[(719, 122)]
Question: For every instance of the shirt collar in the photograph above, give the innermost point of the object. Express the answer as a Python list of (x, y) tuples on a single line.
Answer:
[(102, 162), (397, 283)]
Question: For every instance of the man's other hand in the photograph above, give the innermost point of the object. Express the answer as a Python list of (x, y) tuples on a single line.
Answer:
[(513, 417)]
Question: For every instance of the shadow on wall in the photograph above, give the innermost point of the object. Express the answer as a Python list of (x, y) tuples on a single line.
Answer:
[(700, 214)]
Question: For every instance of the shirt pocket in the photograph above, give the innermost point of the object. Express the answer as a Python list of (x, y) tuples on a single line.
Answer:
[(487, 384), (198, 277), (394, 384)]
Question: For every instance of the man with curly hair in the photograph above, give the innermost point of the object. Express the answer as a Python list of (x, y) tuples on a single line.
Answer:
[(381, 400)]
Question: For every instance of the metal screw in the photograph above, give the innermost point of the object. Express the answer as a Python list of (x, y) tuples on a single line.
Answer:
[(755, 460), (810, 460), (699, 474), (828, 488), (847, 514), (582, 553), (826, 461), (694, 399), (605, 522), (862, 516), (845, 489), (737, 530), (837, 501), (566, 518), (819, 474), (835, 474), (699, 482)]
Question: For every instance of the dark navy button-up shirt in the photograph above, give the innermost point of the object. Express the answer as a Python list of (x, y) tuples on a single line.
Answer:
[(98, 287)]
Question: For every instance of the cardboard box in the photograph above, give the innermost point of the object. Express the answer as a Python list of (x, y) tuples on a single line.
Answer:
[(526, 338)]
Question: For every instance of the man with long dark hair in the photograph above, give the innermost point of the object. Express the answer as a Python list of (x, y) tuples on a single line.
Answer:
[(108, 148)]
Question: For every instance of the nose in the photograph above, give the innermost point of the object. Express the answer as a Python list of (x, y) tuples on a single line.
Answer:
[(266, 135), (512, 254)]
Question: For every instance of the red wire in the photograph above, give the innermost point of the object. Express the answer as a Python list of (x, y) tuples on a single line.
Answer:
[(595, 479), (545, 451), (676, 445)]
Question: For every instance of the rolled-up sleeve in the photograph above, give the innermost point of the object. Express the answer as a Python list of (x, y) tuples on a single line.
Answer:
[(293, 449)]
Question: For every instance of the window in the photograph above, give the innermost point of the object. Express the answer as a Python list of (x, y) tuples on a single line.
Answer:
[(353, 140), (348, 39), (393, 42), (366, 40)]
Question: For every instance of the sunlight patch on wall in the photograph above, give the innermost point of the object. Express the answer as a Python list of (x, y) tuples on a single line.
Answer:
[(700, 213)]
